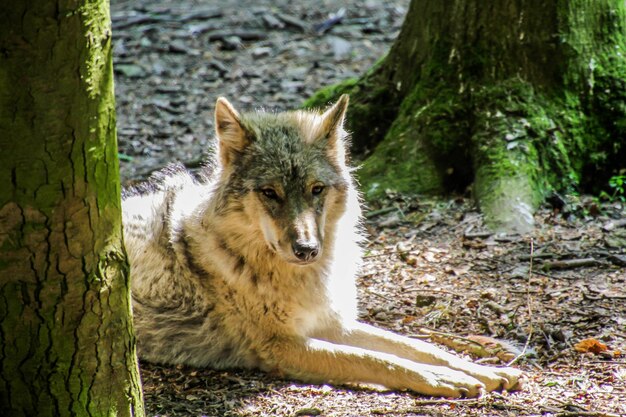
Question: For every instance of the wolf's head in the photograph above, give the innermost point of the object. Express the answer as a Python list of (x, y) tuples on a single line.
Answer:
[(286, 174)]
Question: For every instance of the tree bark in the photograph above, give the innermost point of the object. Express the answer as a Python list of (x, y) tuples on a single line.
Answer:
[(519, 98), (65, 323)]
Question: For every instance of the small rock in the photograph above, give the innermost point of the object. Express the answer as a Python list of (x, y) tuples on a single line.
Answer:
[(403, 247), (617, 239), (130, 70), (231, 43), (489, 293), (159, 68), (119, 49), (292, 86), (201, 28), (261, 52), (177, 46), (341, 48), (296, 73), (520, 271), (391, 220), (293, 22), (618, 259), (219, 66), (382, 316), (426, 278), (272, 22), (371, 27)]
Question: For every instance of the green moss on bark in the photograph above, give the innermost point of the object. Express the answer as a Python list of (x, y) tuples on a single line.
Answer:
[(400, 163), (419, 151), (607, 103), (520, 99), (65, 319), (327, 95), (374, 103), (514, 143)]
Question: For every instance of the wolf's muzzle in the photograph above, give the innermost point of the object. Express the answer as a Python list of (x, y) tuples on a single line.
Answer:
[(307, 251)]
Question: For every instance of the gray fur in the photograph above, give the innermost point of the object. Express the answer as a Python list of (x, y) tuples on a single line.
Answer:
[(180, 299), (220, 277)]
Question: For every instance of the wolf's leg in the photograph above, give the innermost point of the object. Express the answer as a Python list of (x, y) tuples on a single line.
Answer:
[(322, 361), (369, 337)]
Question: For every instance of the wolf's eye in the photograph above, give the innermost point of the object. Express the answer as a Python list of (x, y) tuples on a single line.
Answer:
[(270, 193), (317, 189)]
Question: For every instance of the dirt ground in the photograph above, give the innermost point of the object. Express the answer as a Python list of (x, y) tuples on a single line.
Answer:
[(553, 301)]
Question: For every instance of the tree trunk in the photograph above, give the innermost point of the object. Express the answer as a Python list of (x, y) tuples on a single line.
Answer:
[(65, 323), (520, 98)]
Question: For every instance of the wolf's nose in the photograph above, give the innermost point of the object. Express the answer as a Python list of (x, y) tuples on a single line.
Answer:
[(305, 251)]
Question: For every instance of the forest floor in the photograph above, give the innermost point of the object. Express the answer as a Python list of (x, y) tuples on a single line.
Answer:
[(554, 300)]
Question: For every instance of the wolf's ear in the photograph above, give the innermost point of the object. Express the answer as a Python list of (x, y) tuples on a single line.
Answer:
[(332, 119), (232, 135), (330, 129)]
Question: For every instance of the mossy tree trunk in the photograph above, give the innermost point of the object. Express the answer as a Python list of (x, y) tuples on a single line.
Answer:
[(518, 98), (67, 344)]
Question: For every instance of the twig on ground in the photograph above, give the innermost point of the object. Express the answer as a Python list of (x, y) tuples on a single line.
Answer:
[(524, 291), (569, 263), (495, 307), (380, 212), (528, 305), (464, 401), (418, 403), (583, 414), (475, 235), (378, 255), (384, 297), (294, 22), (441, 291)]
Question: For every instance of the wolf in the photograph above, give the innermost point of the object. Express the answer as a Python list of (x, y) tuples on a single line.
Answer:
[(254, 264)]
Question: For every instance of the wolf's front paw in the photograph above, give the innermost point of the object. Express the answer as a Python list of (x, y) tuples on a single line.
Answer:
[(496, 379), (514, 378), (440, 381)]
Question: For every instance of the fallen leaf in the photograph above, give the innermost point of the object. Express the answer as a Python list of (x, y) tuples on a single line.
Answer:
[(403, 247), (427, 278), (607, 292), (478, 244), (590, 345), (430, 256), (411, 260), (458, 271), (408, 319), (571, 235)]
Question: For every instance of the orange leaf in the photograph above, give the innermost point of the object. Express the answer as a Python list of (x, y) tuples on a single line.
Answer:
[(590, 345)]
